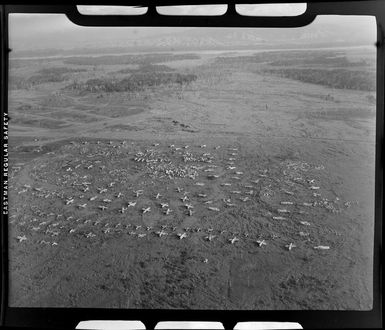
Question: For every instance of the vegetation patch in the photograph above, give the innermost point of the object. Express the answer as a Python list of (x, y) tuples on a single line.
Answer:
[(336, 78), (143, 59), (136, 82)]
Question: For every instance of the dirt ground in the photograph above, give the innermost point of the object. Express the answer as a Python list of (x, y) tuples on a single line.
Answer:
[(272, 162)]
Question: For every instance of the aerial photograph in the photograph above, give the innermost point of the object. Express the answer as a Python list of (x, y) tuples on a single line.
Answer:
[(191, 167)]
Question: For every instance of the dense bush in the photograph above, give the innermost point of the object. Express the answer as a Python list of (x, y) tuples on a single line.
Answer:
[(129, 59), (336, 78), (135, 82), (148, 68), (43, 76)]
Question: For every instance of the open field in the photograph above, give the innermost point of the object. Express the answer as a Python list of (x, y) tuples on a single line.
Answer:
[(205, 181)]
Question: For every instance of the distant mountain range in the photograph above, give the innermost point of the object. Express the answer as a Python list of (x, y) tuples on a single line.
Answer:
[(81, 40)]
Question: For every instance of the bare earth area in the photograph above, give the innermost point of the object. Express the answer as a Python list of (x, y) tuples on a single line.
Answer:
[(241, 188)]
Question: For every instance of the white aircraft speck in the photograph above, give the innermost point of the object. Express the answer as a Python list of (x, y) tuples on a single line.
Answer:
[(322, 247), (225, 184), (123, 209), (112, 184), (210, 237), (163, 205), (106, 200), (189, 206), (168, 211), (157, 196), (190, 213), (314, 188), (131, 204), (261, 242), (213, 209), (255, 181), (209, 170), (35, 228), (90, 235), (145, 210), (235, 178), (72, 231), (279, 218), (93, 198), (244, 199), (102, 190), (231, 159), (138, 192), (119, 195), (178, 189), (161, 233), (54, 243), (182, 235), (305, 223), (290, 246), (202, 195), (233, 240), (203, 146), (102, 207), (69, 201), (184, 198), (142, 235), (199, 184), (287, 203), (82, 206)]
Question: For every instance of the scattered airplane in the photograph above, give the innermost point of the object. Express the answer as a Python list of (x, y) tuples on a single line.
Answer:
[(250, 192), (290, 246), (119, 195), (138, 192), (231, 167), (213, 208), (287, 203), (145, 210), (238, 173), (202, 195), (82, 206), (261, 242), (102, 207), (102, 190), (123, 209), (244, 199), (178, 189), (182, 235), (314, 188), (199, 184), (131, 204), (72, 231), (168, 211), (305, 223), (184, 198), (189, 206), (233, 240), (210, 237), (190, 213), (69, 201), (322, 247), (163, 205), (141, 235), (161, 233), (106, 200), (157, 196), (279, 218)]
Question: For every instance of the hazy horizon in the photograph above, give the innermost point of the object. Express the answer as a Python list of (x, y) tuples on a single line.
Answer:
[(39, 32)]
